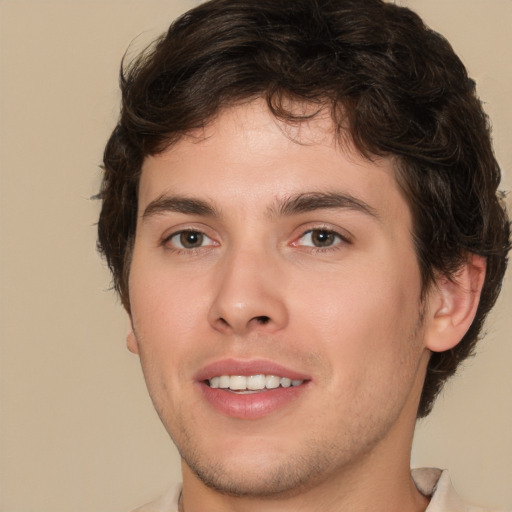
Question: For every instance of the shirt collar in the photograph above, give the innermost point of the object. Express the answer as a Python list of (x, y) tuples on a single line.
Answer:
[(436, 485)]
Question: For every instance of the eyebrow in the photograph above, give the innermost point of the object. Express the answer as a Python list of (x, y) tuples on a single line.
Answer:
[(310, 201), (177, 204), (292, 205)]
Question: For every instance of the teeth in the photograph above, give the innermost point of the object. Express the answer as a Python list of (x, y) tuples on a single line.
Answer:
[(255, 382), (224, 381), (252, 382), (272, 382), (237, 382), (286, 383)]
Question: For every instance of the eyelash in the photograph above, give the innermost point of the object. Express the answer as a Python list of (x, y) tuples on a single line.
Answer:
[(168, 241), (339, 239)]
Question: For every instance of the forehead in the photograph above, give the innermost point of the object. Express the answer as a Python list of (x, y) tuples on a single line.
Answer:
[(246, 153)]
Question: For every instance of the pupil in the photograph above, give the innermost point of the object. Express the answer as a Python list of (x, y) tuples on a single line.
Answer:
[(323, 238), (191, 239)]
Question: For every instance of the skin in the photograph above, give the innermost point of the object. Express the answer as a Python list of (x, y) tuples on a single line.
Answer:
[(347, 315)]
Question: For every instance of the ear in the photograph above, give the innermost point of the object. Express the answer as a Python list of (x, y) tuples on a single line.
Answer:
[(131, 340), (453, 304)]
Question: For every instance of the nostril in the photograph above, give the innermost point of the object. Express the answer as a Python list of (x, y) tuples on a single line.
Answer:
[(240, 325)]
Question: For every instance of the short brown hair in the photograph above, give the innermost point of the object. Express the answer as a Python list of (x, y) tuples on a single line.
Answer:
[(395, 86)]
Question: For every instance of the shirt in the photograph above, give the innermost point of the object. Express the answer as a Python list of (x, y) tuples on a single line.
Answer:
[(431, 482)]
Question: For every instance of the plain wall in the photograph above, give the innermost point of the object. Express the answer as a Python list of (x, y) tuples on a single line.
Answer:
[(77, 430)]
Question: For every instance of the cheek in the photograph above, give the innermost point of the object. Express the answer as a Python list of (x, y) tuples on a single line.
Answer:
[(364, 314), (166, 307), (164, 317)]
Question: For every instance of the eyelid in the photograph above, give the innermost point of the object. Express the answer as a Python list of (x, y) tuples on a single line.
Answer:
[(184, 231), (166, 239), (343, 235)]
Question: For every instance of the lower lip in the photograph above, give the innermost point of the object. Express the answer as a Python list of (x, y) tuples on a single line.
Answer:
[(250, 406)]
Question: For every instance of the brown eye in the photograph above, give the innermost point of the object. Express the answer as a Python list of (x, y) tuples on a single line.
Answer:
[(191, 239), (321, 238)]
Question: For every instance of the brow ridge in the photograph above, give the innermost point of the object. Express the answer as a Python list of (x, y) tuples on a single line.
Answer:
[(288, 206), (178, 204), (310, 201)]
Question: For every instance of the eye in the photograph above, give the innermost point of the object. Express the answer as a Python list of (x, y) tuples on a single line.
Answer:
[(189, 239), (320, 238)]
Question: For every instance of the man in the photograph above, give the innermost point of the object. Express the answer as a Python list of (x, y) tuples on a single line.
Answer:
[(300, 211)]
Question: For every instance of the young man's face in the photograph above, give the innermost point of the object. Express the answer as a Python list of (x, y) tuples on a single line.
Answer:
[(267, 256)]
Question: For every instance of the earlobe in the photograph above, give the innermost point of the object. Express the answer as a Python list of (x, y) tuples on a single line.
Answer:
[(131, 340), (453, 305)]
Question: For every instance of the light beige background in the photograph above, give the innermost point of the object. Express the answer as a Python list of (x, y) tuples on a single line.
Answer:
[(77, 431)]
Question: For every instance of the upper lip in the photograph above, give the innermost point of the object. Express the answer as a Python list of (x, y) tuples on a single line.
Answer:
[(246, 368)]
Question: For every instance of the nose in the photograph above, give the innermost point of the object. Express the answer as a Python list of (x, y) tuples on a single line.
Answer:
[(249, 295)]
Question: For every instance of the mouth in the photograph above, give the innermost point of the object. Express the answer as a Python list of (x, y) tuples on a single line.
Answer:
[(250, 389), (251, 383)]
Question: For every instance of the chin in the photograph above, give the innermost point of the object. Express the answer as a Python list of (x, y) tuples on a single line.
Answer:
[(257, 482), (262, 476)]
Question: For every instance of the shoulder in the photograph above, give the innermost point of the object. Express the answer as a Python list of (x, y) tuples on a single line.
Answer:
[(167, 502)]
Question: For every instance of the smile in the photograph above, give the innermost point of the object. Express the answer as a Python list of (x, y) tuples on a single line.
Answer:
[(251, 382)]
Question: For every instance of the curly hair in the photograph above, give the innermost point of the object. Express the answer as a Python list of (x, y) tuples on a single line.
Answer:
[(393, 85)]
